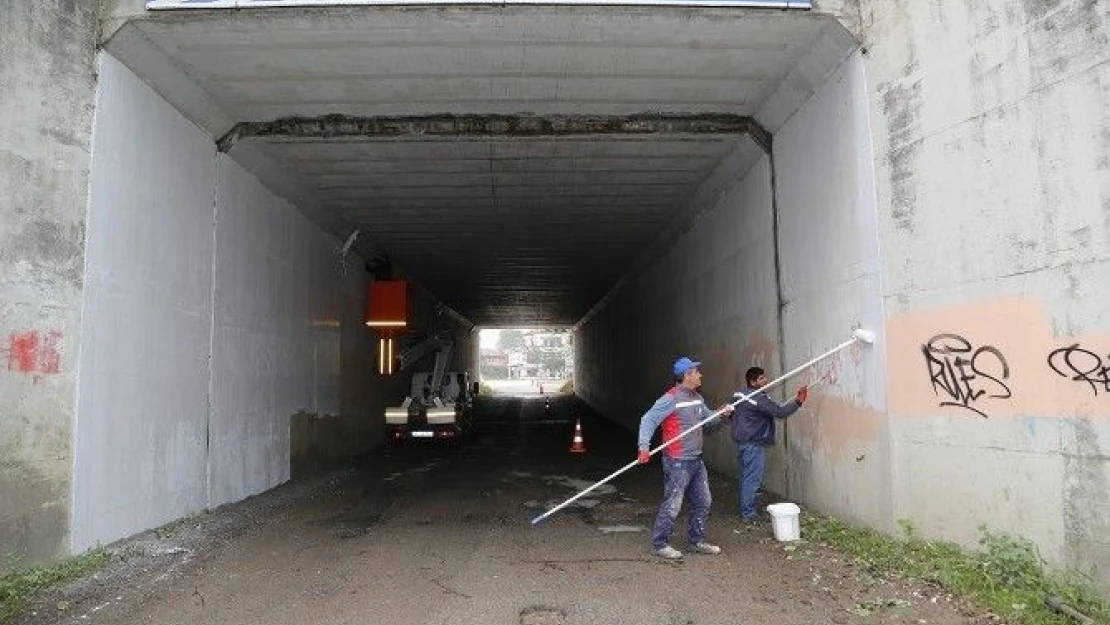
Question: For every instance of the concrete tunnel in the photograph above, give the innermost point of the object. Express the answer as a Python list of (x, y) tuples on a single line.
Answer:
[(663, 180), (613, 171)]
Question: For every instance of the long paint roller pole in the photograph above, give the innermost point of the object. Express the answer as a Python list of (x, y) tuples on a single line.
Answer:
[(865, 336)]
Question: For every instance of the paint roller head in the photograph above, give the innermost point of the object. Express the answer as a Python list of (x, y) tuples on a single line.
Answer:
[(866, 336)]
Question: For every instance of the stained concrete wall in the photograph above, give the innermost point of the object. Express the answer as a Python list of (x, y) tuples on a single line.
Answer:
[(839, 460), (47, 78), (985, 399), (711, 295), (992, 147)]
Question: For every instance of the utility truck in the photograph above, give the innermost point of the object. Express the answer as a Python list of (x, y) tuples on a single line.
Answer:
[(440, 403)]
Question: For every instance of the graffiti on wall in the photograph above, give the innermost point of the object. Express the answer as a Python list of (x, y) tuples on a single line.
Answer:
[(965, 376), (34, 352), (997, 359), (1081, 365)]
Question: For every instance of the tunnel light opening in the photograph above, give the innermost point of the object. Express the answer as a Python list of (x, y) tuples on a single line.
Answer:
[(526, 361)]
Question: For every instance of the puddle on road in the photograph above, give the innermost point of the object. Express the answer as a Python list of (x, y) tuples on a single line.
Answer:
[(427, 468), (579, 485), (621, 529), (581, 504), (567, 482), (592, 508)]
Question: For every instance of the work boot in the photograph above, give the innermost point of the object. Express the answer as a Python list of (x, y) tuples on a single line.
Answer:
[(706, 548), (668, 552)]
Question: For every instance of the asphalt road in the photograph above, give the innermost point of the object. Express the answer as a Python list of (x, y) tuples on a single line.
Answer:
[(438, 535)]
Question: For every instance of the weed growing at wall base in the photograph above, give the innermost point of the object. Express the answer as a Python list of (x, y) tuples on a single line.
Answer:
[(1006, 577), (17, 587)]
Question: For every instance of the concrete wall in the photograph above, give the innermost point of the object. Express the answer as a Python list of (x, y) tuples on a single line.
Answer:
[(277, 327), (992, 148), (142, 402), (839, 459), (715, 293), (985, 399), (321, 441), (322, 438), (220, 323), (47, 79), (712, 295)]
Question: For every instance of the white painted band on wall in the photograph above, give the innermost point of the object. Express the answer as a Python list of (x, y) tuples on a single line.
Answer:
[(266, 4)]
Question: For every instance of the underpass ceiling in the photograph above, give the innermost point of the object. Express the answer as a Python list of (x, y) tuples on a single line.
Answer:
[(502, 228), (506, 229)]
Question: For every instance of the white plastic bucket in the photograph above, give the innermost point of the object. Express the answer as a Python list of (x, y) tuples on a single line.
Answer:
[(786, 521)]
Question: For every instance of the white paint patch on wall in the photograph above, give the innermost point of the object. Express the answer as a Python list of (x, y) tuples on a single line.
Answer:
[(276, 336), (139, 440), (839, 457), (828, 231), (213, 314)]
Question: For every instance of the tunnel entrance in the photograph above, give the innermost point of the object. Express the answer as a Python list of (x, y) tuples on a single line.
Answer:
[(627, 173)]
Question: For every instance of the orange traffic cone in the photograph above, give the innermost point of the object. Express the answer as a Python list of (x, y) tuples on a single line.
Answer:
[(577, 445)]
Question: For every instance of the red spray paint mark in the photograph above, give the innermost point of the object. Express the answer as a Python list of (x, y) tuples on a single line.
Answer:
[(50, 360), (32, 352), (21, 352)]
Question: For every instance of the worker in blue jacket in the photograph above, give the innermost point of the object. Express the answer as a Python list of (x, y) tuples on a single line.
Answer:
[(753, 431), (684, 474)]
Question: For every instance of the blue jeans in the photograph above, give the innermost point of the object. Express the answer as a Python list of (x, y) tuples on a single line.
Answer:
[(751, 459), (682, 478)]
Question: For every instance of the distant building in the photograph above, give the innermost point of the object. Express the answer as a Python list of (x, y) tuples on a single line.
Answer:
[(493, 363), (548, 352)]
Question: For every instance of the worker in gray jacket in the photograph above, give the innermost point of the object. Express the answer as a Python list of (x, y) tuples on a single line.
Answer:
[(753, 431), (684, 474)]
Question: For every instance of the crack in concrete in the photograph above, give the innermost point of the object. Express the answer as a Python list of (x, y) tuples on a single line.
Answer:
[(445, 125)]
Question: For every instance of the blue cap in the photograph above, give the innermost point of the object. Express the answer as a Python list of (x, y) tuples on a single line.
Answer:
[(684, 364)]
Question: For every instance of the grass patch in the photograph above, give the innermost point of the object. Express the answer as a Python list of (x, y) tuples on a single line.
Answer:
[(1006, 576), (19, 586)]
